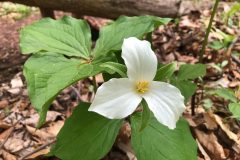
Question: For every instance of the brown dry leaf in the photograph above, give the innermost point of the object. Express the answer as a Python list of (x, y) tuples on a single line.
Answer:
[(236, 74), (190, 120), (229, 133), (186, 22), (97, 22), (6, 133), (16, 85), (55, 127), (234, 84), (41, 133), (4, 125), (201, 149), (8, 156), (3, 103), (210, 142), (33, 120), (15, 144), (210, 122), (128, 150), (39, 153)]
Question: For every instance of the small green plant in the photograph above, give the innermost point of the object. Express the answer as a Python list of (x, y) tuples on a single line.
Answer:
[(62, 54), (20, 11), (227, 16), (232, 97)]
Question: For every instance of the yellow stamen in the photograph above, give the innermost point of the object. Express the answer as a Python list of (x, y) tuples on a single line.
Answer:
[(142, 87)]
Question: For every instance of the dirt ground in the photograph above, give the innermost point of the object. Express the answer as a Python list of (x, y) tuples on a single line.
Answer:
[(216, 132)]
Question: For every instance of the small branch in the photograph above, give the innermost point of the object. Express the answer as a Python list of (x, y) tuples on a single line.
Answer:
[(38, 149), (95, 85), (193, 104), (235, 59), (205, 42), (77, 93)]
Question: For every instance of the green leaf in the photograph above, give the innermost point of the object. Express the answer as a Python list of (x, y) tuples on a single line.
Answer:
[(66, 36), (234, 108), (145, 116), (191, 71), (47, 75), (113, 67), (224, 93), (86, 135), (165, 72), (207, 104), (216, 45), (187, 88), (157, 142), (112, 36)]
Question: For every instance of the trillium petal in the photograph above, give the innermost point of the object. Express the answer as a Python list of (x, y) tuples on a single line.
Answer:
[(139, 58), (166, 103), (115, 99)]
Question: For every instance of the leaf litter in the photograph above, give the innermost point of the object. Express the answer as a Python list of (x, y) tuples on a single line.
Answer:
[(216, 132)]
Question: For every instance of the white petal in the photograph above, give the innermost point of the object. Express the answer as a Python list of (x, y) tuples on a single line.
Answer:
[(166, 103), (139, 58), (115, 99)]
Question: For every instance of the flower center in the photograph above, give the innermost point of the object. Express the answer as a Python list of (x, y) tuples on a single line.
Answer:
[(142, 87)]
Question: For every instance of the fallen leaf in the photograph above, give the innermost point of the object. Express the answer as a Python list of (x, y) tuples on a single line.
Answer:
[(229, 133), (15, 144), (3, 103), (55, 127), (33, 119), (39, 153), (16, 85), (8, 156), (201, 149), (41, 133), (210, 122), (6, 133), (210, 142)]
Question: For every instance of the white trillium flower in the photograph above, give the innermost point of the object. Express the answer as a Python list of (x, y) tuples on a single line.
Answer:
[(118, 98)]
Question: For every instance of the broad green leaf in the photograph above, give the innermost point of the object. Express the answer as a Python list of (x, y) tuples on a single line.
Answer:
[(113, 67), (112, 36), (66, 36), (157, 142), (191, 71), (145, 116), (234, 108), (86, 135), (224, 93), (47, 75), (187, 88), (165, 72)]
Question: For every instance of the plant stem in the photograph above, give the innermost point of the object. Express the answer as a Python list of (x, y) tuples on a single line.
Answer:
[(205, 42), (95, 85)]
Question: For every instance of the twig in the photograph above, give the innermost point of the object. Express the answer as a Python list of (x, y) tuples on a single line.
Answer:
[(37, 149), (235, 59), (193, 103), (208, 31), (77, 92), (95, 85)]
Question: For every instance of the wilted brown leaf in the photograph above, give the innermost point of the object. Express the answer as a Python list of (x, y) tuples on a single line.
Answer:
[(210, 142), (8, 156)]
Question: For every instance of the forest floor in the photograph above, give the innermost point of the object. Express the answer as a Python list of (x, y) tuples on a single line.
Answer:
[(215, 128)]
